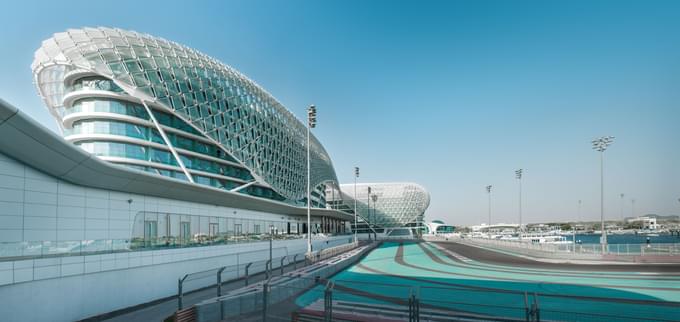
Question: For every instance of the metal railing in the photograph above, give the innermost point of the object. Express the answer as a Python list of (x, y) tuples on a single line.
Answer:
[(217, 277), (41, 249), (353, 300), (330, 252), (659, 249)]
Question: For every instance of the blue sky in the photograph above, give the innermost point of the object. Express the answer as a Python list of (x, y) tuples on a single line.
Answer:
[(453, 95)]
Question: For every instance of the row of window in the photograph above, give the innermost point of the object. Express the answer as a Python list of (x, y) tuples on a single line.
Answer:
[(135, 110), (139, 152), (115, 128), (152, 225), (144, 133), (213, 182), (108, 105), (96, 83), (208, 181)]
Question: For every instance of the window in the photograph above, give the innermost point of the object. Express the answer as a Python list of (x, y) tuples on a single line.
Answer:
[(184, 231), (150, 231), (213, 229)]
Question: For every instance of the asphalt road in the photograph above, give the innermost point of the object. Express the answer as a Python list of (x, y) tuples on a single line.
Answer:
[(492, 257)]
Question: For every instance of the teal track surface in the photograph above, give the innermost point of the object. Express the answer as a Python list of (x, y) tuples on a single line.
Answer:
[(389, 273)]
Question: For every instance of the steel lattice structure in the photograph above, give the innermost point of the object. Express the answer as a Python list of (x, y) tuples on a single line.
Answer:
[(396, 205), (223, 105)]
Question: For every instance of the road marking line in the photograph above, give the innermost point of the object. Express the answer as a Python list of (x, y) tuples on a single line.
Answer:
[(455, 255)]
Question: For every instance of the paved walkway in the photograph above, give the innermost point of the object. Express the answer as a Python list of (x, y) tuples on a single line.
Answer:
[(158, 311)]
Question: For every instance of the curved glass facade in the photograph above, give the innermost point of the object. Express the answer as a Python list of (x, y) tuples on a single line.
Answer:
[(157, 106), (394, 204), (202, 105)]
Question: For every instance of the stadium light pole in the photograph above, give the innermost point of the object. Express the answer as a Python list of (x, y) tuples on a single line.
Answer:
[(374, 197), (578, 214), (311, 123), (622, 195), (632, 207), (518, 176), (600, 145), (368, 217), (488, 192), (356, 175)]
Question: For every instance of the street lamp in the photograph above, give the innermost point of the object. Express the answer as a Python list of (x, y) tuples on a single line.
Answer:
[(311, 123), (600, 145), (374, 197), (488, 192), (518, 176), (632, 207), (578, 214), (622, 195), (356, 175), (368, 216)]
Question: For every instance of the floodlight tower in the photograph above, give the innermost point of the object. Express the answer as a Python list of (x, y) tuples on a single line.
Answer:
[(374, 197), (632, 207), (368, 216), (518, 176), (622, 195), (311, 123), (600, 145), (356, 175), (488, 192)]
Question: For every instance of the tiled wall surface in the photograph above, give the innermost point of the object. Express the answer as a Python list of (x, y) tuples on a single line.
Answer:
[(77, 287), (38, 207)]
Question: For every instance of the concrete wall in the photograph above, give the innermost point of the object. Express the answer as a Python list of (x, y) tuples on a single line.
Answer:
[(38, 207), (77, 287)]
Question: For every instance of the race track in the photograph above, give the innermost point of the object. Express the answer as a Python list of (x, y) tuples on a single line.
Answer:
[(468, 279)]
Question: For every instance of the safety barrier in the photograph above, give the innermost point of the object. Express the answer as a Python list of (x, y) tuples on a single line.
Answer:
[(261, 296)]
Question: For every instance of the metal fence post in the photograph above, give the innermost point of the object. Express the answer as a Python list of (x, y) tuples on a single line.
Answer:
[(265, 290), (527, 313), (537, 311), (282, 259), (247, 276), (416, 302), (295, 261), (179, 291), (328, 302), (413, 306), (219, 281)]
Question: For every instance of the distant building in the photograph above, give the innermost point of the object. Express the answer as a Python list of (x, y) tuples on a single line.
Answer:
[(648, 223), (438, 227), (496, 228)]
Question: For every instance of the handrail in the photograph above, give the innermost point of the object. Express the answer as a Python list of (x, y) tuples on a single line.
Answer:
[(657, 249), (45, 249)]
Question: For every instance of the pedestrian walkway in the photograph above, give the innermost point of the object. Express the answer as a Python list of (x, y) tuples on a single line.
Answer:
[(159, 310)]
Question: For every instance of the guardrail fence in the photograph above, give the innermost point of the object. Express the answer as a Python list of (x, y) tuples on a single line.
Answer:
[(202, 280), (571, 250)]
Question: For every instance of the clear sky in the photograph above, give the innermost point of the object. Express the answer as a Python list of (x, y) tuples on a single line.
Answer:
[(454, 95)]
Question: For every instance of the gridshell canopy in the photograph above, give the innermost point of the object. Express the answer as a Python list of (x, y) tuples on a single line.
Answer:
[(221, 103), (397, 204)]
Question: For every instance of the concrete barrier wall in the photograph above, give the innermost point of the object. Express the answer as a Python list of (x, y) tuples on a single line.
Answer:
[(69, 288), (250, 299), (538, 251)]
